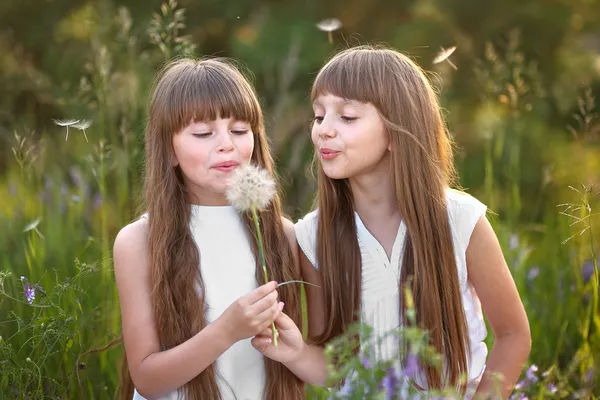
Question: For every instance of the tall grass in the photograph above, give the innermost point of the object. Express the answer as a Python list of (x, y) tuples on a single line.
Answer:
[(64, 201)]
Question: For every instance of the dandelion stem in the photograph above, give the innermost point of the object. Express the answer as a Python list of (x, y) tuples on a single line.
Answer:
[(261, 255)]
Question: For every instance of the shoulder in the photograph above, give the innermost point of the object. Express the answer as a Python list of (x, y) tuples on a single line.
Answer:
[(308, 222), (459, 201), (130, 244), (306, 235), (464, 212), (288, 229)]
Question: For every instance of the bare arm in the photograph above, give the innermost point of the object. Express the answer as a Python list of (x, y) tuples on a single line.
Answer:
[(491, 278), (155, 372)]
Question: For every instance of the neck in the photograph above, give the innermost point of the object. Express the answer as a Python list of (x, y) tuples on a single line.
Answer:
[(199, 197), (373, 193)]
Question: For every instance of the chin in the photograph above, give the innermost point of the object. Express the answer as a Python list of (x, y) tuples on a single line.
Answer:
[(335, 174)]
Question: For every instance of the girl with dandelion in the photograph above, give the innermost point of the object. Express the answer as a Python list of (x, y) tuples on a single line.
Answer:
[(386, 216), (191, 285)]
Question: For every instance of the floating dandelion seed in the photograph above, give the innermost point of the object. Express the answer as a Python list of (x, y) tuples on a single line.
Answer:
[(67, 123), (329, 25), (82, 126), (444, 55), (33, 226)]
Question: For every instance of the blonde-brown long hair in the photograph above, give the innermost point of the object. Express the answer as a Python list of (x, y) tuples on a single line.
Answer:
[(185, 90), (422, 170)]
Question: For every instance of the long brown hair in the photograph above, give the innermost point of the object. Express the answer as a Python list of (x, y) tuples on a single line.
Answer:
[(205, 89), (422, 170)]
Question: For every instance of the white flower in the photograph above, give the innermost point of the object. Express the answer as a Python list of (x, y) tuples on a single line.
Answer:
[(250, 187)]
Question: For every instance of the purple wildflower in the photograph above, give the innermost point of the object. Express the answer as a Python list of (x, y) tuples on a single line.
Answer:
[(589, 375), (530, 374), (29, 290), (390, 384), (533, 273), (97, 202), (412, 366), (365, 362), (521, 384), (587, 271), (552, 388), (513, 241)]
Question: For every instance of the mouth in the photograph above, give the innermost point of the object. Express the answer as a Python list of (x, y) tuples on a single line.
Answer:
[(328, 154), (226, 166)]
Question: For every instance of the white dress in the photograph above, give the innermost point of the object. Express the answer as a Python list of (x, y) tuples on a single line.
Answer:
[(381, 276), (229, 272)]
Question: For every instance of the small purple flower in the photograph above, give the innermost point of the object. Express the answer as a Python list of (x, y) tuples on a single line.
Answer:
[(530, 374), (29, 290), (97, 201), (365, 362), (390, 384), (589, 375), (587, 271), (347, 388), (552, 388), (513, 241), (412, 366), (533, 273), (520, 385)]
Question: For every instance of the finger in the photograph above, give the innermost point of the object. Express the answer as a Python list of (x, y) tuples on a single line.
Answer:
[(260, 292), (265, 303), (266, 318), (284, 322), (261, 344)]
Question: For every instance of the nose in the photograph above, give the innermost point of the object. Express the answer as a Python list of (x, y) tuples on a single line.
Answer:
[(225, 142), (325, 129)]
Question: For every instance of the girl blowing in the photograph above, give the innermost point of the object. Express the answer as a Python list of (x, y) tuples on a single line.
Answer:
[(187, 271), (386, 214)]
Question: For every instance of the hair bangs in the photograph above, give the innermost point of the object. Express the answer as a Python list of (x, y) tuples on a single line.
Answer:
[(205, 92), (347, 75)]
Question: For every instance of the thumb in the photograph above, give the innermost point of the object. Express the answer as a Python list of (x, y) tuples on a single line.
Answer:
[(261, 343)]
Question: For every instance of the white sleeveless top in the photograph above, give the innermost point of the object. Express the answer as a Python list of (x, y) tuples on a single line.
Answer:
[(228, 270), (381, 277)]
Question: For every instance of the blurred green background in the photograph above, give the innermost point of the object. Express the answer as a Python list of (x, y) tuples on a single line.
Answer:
[(518, 94)]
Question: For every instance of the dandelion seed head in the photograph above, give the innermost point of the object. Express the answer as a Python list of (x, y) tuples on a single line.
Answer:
[(329, 25), (250, 187)]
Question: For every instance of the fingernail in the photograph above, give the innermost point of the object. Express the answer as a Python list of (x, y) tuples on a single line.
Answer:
[(281, 305)]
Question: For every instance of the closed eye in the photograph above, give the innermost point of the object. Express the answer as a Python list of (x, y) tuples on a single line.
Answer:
[(240, 131), (349, 119), (202, 135)]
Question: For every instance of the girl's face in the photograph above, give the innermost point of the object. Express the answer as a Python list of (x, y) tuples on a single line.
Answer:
[(349, 137), (208, 152)]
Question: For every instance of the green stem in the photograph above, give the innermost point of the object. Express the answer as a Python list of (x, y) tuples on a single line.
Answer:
[(261, 255)]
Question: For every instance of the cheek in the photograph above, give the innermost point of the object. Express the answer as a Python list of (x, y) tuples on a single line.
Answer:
[(190, 154), (246, 146)]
